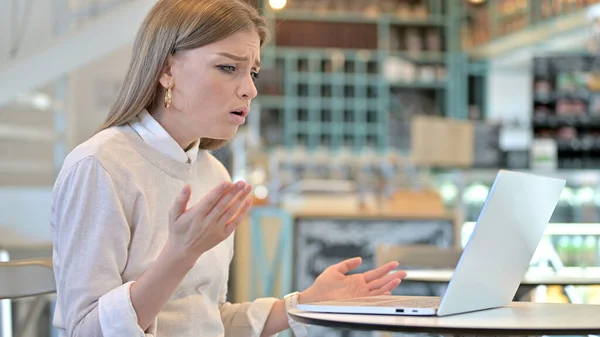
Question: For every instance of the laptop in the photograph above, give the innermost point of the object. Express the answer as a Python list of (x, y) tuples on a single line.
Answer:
[(508, 230)]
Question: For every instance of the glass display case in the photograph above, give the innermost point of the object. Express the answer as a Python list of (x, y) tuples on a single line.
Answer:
[(571, 244)]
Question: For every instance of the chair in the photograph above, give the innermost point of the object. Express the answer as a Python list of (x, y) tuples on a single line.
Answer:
[(24, 278), (417, 256), (20, 279)]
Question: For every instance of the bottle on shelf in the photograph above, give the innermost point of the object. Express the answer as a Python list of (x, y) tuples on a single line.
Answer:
[(576, 251), (556, 295), (589, 245), (563, 249), (598, 252)]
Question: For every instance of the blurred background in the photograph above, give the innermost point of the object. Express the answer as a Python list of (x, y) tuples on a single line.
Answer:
[(378, 123)]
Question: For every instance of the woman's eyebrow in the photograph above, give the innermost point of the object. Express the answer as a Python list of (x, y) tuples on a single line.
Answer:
[(239, 58)]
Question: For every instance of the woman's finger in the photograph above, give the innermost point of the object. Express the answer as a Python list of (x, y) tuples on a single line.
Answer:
[(347, 265), (180, 205), (211, 199), (381, 271), (240, 209), (388, 287), (234, 206), (226, 199), (376, 284), (235, 221)]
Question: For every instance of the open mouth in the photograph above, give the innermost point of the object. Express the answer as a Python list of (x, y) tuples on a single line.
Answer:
[(239, 113)]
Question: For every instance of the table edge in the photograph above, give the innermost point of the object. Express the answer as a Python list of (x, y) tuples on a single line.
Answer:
[(420, 329)]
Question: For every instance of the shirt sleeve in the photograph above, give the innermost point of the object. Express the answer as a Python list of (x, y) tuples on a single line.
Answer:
[(241, 319), (245, 319), (91, 237)]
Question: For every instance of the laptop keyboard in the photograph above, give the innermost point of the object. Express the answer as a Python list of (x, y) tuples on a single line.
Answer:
[(417, 302), (389, 301)]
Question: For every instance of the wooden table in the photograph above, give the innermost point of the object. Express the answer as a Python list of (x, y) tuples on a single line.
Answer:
[(518, 318)]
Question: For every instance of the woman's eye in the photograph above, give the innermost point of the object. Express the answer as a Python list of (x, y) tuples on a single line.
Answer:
[(231, 69), (228, 69)]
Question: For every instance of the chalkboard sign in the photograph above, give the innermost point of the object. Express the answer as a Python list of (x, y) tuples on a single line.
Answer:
[(320, 243)]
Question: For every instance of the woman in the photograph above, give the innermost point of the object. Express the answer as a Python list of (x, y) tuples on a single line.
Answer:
[(143, 216)]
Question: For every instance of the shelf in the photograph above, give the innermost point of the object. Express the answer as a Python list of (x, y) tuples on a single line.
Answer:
[(337, 78), (422, 57), (557, 229), (349, 53), (326, 103), (576, 121), (418, 85), (323, 16), (582, 95), (573, 229), (573, 176), (578, 145), (321, 68), (564, 105), (432, 20), (270, 101)]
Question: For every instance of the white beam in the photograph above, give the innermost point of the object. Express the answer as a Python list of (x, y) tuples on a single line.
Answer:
[(25, 133), (96, 39), (25, 166)]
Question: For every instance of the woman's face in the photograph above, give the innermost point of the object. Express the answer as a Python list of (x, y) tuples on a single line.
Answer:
[(212, 86)]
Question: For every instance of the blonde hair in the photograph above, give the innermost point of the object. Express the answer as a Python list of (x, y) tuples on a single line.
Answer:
[(171, 26)]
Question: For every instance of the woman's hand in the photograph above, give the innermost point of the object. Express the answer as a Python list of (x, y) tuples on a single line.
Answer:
[(191, 232), (198, 229), (334, 284)]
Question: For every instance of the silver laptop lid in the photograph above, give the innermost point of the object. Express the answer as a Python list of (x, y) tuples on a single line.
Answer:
[(508, 230)]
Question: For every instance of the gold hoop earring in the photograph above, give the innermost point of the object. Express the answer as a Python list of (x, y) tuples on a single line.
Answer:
[(168, 98)]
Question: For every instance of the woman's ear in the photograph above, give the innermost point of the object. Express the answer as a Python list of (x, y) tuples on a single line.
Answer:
[(166, 77)]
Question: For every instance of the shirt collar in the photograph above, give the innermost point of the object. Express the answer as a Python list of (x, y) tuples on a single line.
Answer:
[(157, 137)]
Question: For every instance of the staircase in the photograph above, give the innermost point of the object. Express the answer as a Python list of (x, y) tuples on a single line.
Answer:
[(113, 26), (535, 26), (57, 39), (53, 39)]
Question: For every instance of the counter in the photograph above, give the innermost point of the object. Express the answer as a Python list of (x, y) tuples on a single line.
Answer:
[(295, 247)]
